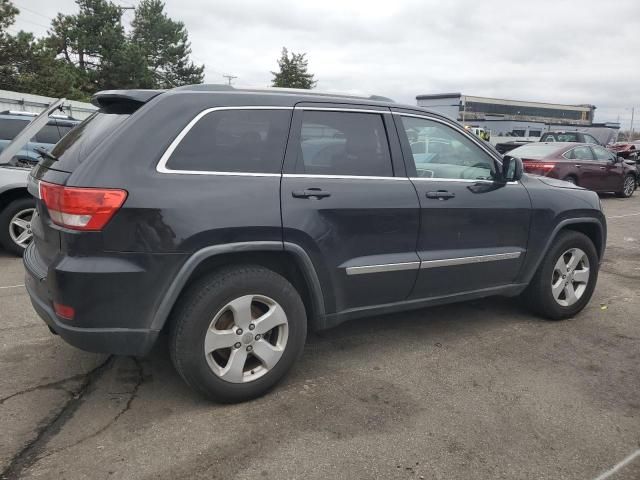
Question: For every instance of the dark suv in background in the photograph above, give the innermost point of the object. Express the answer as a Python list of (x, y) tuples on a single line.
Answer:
[(236, 219)]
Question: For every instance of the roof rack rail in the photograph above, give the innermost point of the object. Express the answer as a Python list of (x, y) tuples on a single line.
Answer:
[(216, 87)]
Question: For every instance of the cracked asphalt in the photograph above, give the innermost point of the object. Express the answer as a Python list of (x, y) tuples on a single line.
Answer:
[(475, 390)]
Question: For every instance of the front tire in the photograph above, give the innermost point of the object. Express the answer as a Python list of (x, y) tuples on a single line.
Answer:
[(566, 278), (237, 332), (628, 187), (15, 225)]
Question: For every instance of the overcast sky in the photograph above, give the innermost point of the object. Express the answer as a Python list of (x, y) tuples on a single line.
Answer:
[(582, 51)]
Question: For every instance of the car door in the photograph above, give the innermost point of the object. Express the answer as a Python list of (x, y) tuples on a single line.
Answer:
[(586, 169), (473, 230), (611, 172), (347, 201)]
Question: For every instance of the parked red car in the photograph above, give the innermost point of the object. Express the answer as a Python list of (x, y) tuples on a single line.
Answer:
[(630, 150), (589, 166)]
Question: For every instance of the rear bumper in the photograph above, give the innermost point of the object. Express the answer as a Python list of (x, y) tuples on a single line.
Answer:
[(114, 320), (121, 341)]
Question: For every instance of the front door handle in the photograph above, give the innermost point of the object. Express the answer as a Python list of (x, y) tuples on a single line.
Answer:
[(310, 193), (441, 195)]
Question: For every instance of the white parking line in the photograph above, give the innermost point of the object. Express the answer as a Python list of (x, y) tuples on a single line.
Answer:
[(13, 286), (626, 215), (618, 466)]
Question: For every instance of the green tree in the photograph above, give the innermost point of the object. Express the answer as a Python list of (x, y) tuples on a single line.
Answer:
[(293, 71), (93, 41), (164, 44)]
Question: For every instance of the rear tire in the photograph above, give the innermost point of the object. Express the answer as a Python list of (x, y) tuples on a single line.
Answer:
[(555, 297), (571, 179), (217, 342), (628, 187), (15, 221)]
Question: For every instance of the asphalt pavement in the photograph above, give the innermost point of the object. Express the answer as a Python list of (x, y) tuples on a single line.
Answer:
[(477, 390)]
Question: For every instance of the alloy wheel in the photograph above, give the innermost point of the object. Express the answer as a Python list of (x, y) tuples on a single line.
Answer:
[(629, 186), (570, 277), (246, 338), (20, 227)]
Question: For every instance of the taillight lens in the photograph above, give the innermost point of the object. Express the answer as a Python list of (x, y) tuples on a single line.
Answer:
[(81, 208), (544, 167), (64, 311)]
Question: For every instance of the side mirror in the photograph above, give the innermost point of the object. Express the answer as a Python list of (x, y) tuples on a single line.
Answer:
[(512, 169)]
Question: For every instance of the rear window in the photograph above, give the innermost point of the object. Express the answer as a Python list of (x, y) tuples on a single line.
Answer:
[(48, 134), (560, 137), (534, 151), (74, 148), (9, 128), (251, 141)]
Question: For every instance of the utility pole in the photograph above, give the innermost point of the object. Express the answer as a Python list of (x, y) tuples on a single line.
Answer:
[(633, 109), (229, 78)]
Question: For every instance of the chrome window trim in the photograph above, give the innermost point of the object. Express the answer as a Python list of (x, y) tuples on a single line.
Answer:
[(161, 167), (385, 267), (448, 262), (344, 109), (343, 177), (445, 262), (463, 180)]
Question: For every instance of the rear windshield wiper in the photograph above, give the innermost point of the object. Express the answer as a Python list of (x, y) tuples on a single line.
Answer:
[(46, 153)]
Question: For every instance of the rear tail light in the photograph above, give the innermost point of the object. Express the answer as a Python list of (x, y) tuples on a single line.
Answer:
[(545, 167), (81, 208)]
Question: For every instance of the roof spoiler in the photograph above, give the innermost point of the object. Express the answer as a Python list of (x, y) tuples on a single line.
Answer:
[(106, 98)]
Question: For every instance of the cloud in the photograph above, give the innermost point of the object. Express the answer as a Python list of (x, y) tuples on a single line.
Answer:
[(549, 50)]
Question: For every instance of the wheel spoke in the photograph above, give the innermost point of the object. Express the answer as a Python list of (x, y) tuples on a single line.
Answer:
[(234, 370), (19, 222), (241, 308), (574, 260), (217, 339), (561, 266), (23, 237), (570, 294), (581, 276), (557, 288), (267, 353), (275, 316)]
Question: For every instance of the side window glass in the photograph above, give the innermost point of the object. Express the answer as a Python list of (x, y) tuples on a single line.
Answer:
[(602, 154), (581, 153), (590, 139), (439, 151), (243, 141), (343, 143)]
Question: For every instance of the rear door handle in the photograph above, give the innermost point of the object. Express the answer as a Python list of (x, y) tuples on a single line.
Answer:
[(603, 168), (310, 193), (441, 195), (578, 165)]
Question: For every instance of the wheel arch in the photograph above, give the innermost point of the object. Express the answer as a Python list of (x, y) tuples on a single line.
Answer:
[(589, 226), (289, 260), (13, 193)]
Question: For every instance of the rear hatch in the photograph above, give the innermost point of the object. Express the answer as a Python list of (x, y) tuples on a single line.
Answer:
[(71, 152)]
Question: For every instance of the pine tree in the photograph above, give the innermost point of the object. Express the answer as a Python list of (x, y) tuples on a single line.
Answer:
[(293, 71)]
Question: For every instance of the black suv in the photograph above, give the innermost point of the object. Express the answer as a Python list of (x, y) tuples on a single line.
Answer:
[(236, 219)]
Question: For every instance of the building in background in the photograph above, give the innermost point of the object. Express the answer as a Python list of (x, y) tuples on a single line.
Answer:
[(515, 118), (26, 102)]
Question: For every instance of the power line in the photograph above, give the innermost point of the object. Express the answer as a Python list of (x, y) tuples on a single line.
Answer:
[(33, 11)]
